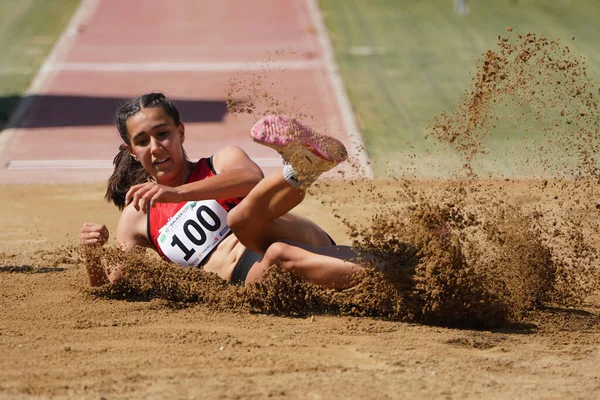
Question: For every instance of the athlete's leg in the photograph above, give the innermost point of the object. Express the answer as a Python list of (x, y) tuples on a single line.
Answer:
[(261, 218), (334, 267)]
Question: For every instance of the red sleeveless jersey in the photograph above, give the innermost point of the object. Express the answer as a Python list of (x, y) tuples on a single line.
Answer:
[(159, 215)]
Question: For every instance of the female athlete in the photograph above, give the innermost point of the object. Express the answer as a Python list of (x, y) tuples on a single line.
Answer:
[(218, 213)]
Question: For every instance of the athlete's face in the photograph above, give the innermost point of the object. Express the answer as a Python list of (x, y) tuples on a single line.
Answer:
[(156, 142)]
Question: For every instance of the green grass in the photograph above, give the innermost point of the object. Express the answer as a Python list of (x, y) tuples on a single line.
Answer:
[(28, 30), (404, 62)]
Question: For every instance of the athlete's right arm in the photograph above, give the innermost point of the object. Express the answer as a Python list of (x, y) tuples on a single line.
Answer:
[(93, 237), (131, 234)]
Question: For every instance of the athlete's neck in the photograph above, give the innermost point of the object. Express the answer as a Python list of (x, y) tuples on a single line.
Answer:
[(182, 177)]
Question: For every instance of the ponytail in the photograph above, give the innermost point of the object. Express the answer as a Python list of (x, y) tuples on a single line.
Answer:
[(127, 172)]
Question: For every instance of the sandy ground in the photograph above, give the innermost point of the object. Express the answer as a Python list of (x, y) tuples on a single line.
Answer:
[(59, 341)]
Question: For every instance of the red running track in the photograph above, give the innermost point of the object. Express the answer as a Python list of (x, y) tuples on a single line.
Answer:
[(115, 50)]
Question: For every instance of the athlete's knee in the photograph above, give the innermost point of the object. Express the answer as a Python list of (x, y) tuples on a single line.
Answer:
[(277, 254), (238, 217)]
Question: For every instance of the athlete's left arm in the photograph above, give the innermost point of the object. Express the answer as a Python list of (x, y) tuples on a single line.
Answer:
[(236, 175)]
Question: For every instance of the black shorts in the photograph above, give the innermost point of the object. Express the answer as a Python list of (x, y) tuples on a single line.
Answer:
[(249, 257), (246, 261)]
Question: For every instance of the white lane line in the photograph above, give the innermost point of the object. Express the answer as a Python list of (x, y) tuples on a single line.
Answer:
[(349, 120), (100, 164), (236, 66), (63, 45), (58, 164)]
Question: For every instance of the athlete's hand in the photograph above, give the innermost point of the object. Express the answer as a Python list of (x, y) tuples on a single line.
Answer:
[(140, 195), (94, 234)]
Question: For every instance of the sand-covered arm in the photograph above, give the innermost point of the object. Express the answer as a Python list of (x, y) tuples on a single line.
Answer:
[(131, 235)]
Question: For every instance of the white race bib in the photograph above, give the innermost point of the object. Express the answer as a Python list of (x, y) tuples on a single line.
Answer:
[(191, 234)]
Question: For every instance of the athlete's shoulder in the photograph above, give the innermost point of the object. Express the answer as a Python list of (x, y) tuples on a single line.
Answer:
[(132, 228), (233, 157)]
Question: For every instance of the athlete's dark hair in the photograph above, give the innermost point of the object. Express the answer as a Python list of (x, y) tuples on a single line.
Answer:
[(128, 171)]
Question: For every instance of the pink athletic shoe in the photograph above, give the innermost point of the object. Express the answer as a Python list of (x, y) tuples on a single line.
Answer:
[(308, 152)]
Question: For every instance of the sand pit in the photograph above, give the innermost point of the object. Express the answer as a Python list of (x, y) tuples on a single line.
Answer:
[(58, 340)]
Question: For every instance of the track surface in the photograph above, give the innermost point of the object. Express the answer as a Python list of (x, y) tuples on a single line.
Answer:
[(112, 51)]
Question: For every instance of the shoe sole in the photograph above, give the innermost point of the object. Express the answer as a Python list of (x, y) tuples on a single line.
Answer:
[(297, 142)]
